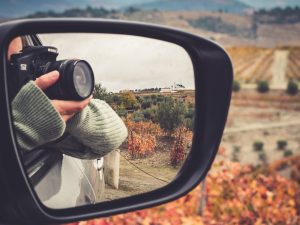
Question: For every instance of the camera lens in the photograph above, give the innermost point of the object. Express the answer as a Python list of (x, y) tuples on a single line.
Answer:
[(83, 79), (76, 80)]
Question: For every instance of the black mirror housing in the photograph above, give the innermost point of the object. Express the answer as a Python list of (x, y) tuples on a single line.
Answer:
[(213, 84)]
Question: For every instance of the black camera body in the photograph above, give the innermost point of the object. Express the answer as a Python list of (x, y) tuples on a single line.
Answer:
[(76, 80)]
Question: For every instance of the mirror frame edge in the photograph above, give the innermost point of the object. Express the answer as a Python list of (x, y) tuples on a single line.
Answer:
[(209, 61)]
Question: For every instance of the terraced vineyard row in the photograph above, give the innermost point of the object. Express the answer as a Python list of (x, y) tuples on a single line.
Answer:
[(293, 70), (252, 64)]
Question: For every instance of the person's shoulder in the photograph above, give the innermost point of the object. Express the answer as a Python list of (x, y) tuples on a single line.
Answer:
[(99, 103)]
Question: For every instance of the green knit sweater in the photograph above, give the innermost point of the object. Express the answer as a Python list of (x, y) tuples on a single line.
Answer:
[(93, 132)]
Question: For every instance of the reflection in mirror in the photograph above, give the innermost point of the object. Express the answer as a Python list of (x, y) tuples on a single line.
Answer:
[(131, 137)]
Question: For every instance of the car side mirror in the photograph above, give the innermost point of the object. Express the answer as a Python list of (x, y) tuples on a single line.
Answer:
[(155, 79)]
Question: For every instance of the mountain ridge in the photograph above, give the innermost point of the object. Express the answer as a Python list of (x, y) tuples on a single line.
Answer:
[(16, 8), (232, 6)]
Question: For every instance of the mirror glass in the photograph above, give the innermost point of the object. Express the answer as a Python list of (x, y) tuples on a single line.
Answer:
[(100, 117)]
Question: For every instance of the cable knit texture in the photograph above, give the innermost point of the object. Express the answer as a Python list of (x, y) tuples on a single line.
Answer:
[(92, 133), (36, 120), (97, 129)]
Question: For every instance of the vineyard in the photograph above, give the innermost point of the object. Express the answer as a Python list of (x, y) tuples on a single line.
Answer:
[(252, 64), (234, 194), (293, 71), (160, 129), (256, 175)]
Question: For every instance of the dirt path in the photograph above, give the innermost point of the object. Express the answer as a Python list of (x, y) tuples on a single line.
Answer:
[(135, 180), (279, 69)]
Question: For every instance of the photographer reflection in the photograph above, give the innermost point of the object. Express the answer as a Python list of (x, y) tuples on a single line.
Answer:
[(91, 123), (85, 129)]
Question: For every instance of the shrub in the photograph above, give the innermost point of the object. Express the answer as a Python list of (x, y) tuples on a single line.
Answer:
[(234, 195), (236, 86), (139, 99), (141, 137), (128, 100), (177, 152), (149, 114), (153, 97), (258, 146), (281, 144), (121, 111), (287, 153), (170, 114), (190, 113), (263, 86), (292, 87), (189, 123), (160, 98), (137, 116), (262, 157), (146, 103), (235, 153)]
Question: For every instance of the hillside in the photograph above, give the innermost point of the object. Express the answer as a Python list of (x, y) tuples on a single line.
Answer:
[(232, 6), (278, 16), (277, 65), (265, 28), (14, 9), (267, 4)]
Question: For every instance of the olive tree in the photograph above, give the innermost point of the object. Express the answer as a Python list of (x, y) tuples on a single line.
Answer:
[(170, 114)]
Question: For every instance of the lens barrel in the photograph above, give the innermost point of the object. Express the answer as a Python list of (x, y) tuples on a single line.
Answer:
[(76, 80)]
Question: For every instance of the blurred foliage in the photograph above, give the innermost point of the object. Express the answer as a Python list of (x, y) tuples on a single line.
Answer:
[(288, 15), (236, 86), (281, 144), (76, 12), (258, 146), (292, 87), (234, 194), (287, 153), (263, 86)]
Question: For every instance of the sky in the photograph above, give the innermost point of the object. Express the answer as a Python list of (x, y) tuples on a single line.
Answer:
[(123, 62)]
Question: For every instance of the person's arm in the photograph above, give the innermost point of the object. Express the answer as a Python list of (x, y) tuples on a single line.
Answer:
[(93, 132), (35, 120)]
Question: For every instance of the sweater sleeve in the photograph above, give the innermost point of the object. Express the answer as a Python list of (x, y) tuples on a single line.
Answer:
[(35, 119), (93, 132)]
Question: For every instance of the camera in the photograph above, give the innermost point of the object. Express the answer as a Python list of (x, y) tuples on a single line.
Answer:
[(76, 80)]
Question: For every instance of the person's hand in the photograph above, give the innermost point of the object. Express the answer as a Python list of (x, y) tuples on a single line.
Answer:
[(67, 109)]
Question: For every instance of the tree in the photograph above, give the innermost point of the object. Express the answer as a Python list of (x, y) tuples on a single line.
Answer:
[(100, 92), (146, 104), (258, 146), (236, 86), (170, 114), (263, 86), (129, 100), (292, 88), (281, 144)]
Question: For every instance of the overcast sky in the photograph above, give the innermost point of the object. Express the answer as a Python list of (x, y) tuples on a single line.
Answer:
[(123, 62)]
